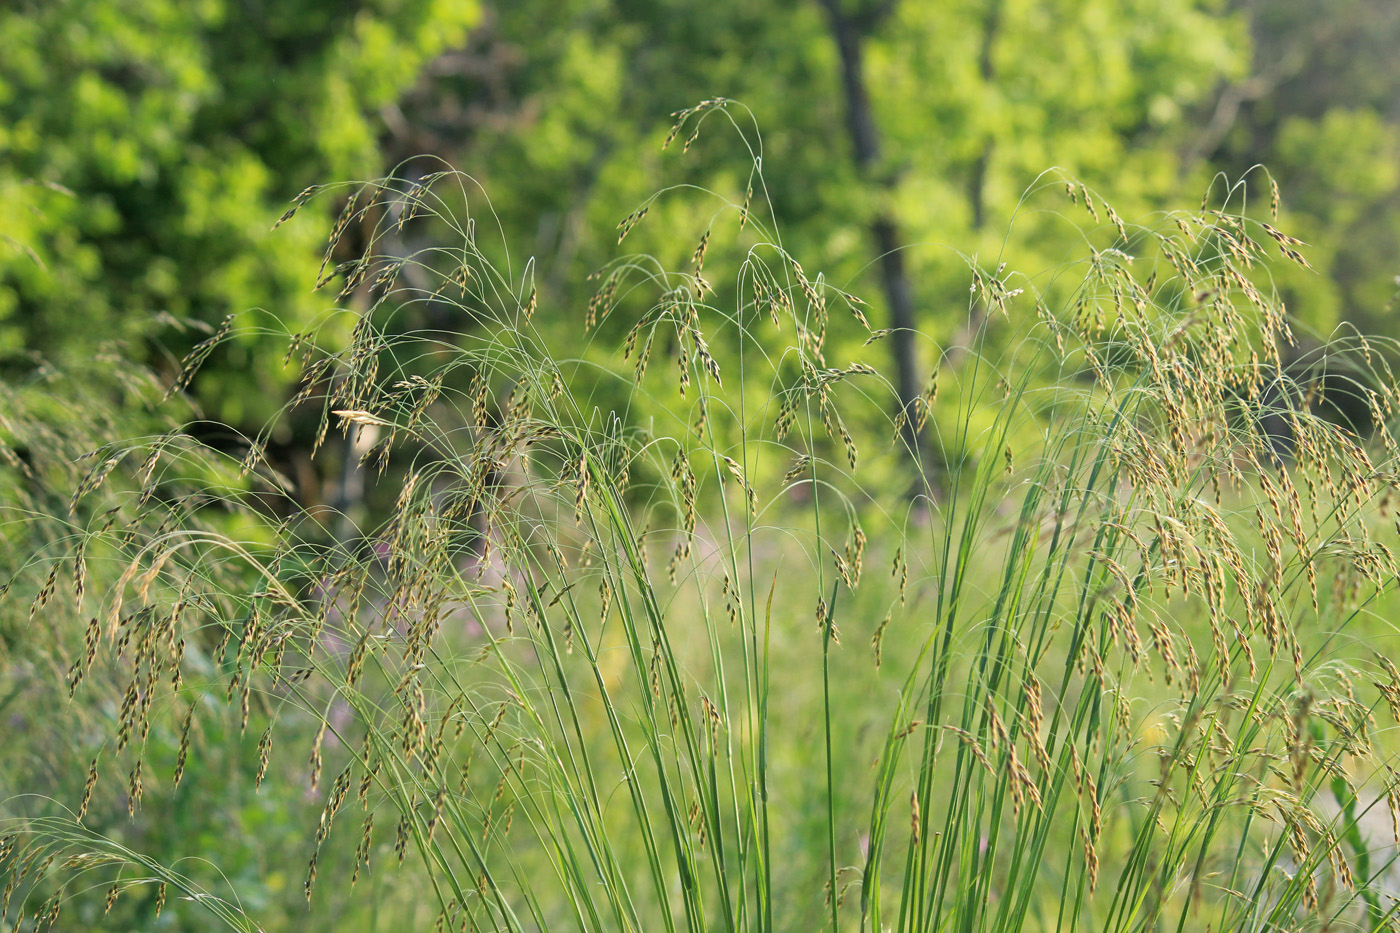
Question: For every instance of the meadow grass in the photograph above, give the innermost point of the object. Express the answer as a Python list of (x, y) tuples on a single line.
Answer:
[(640, 647)]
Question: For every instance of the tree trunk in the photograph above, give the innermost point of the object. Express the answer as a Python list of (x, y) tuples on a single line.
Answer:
[(850, 32)]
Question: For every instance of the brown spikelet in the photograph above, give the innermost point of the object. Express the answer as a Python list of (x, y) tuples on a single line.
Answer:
[(924, 407), (1088, 201), (632, 219), (135, 788), (315, 759), (438, 800), (1023, 786), (183, 756), (88, 786), (264, 754), (737, 471), (362, 850), (581, 474), (698, 257), (1091, 859), (401, 839)]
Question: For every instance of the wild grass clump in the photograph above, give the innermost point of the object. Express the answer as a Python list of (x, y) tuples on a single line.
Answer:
[(612, 663)]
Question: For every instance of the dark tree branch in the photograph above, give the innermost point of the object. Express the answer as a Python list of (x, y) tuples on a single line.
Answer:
[(1227, 109), (986, 67)]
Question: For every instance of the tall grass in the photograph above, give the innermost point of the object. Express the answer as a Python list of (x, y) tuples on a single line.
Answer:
[(654, 640)]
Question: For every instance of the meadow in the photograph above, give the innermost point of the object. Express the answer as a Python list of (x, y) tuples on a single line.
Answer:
[(678, 622)]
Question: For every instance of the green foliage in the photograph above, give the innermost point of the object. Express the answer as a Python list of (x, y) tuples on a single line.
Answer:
[(1102, 90), (180, 129), (1317, 109)]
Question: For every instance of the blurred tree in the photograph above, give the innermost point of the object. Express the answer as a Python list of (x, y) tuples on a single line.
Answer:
[(892, 134), (1320, 107), (146, 146)]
